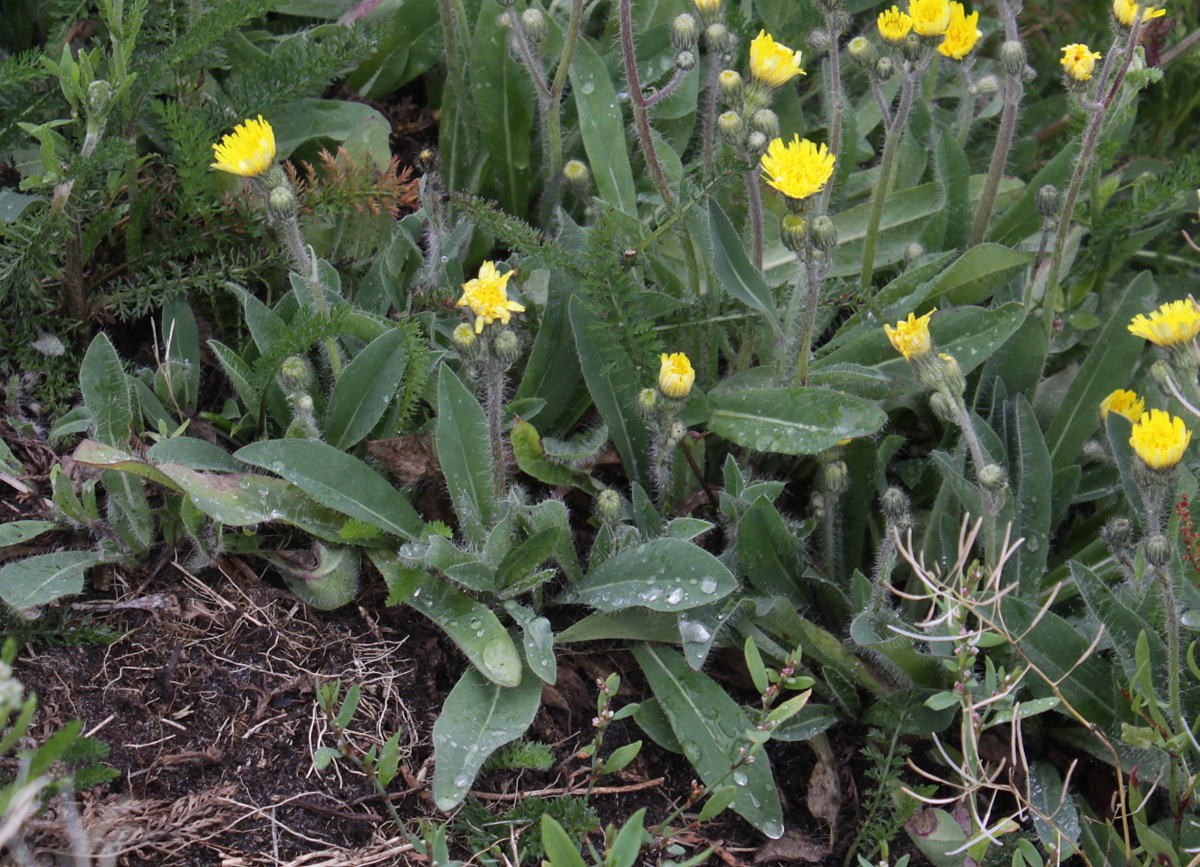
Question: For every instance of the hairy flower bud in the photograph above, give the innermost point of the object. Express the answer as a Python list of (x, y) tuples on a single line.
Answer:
[(608, 506), (765, 121), (993, 478), (862, 51), (912, 48), (793, 231), (718, 38), (281, 200), (507, 4), (464, 336), (1117, 534), (987, 85), (685, 61), (829, 6), (647, 403), (837, 478), (818, 40), (1158, 550), (896, 509), (943, 407), (534, 22), (730, 87), (913, 251), (885, 67), (1047, 201), (824, 233), (756, 143), (507, 345), (1163, 376), (577, 177), (951, 373), (733, 128), (684, 32), (1012, 57), (295, 374)]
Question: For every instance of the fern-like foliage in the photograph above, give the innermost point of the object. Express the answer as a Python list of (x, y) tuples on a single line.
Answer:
[(416, 373), (21, 96), (489, 835)]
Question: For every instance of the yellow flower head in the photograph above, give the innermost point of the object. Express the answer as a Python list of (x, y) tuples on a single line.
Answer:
[(487, 298), (1126, 11), (1171, 324), (247, 151), (772, 63), (1122, 402), (911, 338), (797, 169), (1160, 439), (962, 35), (894, 25), (929, 17), (1079, 62), (676, 376), (707, 8)]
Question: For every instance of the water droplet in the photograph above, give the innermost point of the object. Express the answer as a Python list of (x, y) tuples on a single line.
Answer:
[(740, 778), (588, 87), (675, 596), (708, 585)]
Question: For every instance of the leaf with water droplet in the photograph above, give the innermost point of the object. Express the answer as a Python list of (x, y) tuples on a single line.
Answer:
[(655, 575)]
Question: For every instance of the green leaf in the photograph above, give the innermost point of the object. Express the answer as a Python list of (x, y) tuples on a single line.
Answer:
[(627, 846), (1106, 367), (366, 387), (106, 392), (626, 624), (195, 453), (602, 127), (1033, 480), (465, 452), (769, 554), (754, 664), (552, 372), (336, 480), (182, 341), (43, 578), (662, 574), (792, 421), (93, 454), (1060, 831), (469, 624), (531, 458), (16, 532), (711, 728), (560, 851), (538, 639), (240, 376), (740, 279), (477, 718), (978, 273), (621, 757)]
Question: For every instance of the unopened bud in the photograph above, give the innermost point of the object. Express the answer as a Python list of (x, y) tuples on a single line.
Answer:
[(818, 40), (577, 177), (895, 507), (1163, 376), (733, 128), (464, 336), (837, 478), (885, 67), (767, 122), (731, 87), (952, 375), (304, 406), (829, 6), (295, 374), (507, 3), (685, 61), (824, 233), (1048, 201), (913, 251), (647, 402), (862, 51), (535, 24), (993, 478), (427, 160), (281, 200), (1117, 534), (793, 231), (943, 407), (756, 143), (912, 48), (718, 38), (677, 432), (987, 85), (608, 506), (1158, 550), (1028, 74), (1012, 57), (1095, 451), (839, 22), (684, 32), (507, 345)]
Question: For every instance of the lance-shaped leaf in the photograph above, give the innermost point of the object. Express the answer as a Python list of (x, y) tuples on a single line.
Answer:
[(663, 574), (792, 421)]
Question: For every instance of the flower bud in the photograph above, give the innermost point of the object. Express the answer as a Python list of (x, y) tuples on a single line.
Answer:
[(862, 51), (304, 405), (577, 177), (987, 85), (1028, 74), (896, 510), (535, 24), (793, 231), (684, 32), (647, 403), (943, 407), (767, 122), (730, 87), (952, 375), (1163, 376), (507, 345), (718, 38), (912, 48), (913, 251), (295, 374), (676, 434), (824, 233), (1158, 550), (818, 506), (505, 20), (733, 128), (608, 506), (993, 478), (428, 161), (507, 4), (281, 200), (837, 478), (756, 143), (685, 61), (1117, 534), (1012, 57), (1047, 201), (840, 21), (885, 67), (1095, 451), (818, 40), (464, 336), (829, 6)]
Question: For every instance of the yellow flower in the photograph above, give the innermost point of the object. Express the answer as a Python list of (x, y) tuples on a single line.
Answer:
[(487, 298), (1122, 402), (772, 63), (676, 376), (797, 169), (894, 24), (929, 17), (1160, 439), (1125, 11), (1171, 324), (707, 7), (247, 151), (1079, 62), (962, 35), (911, 338)]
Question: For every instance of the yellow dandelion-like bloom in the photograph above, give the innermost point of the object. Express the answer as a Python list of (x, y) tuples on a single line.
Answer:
[(1171, 324), (676, 375), (772, 63), (962, 35), (894, 25), (1079, 62), (929, 17), (911, 338), (707, 7), (487, 298), (247, 151), (1122, 402), (1126, 12), (797, 169), (1160, 439)]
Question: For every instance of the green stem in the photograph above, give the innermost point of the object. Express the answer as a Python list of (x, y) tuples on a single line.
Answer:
[(812, 294), (303, 262), (709, 124), (966, 107), (891, 142), (494, 382), (641, 119), (991, 503), (835, 103), (1174, 676), (754, 204), (554, 103)]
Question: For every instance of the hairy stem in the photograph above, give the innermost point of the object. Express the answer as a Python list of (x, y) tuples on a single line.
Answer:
[(641, 118), (709, 123), (754, 202), (835, 103)]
